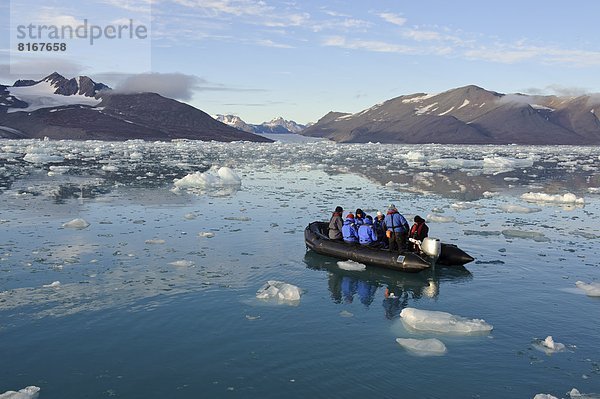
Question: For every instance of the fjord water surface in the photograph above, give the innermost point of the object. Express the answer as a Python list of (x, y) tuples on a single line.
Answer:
[(157, 296)]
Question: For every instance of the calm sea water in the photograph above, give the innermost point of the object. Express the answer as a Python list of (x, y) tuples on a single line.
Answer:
[(156, 298)]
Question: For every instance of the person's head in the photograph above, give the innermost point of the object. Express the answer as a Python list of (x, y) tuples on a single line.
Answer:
[(369, 219), (419, 219), (379, 215), (392, 207), (359, 213), (339, 209), (350, 216)]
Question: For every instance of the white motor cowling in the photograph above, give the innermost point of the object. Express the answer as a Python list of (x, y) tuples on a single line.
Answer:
[(431, 247)]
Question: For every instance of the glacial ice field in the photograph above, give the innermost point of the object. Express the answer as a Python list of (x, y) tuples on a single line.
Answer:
[(151, 269)]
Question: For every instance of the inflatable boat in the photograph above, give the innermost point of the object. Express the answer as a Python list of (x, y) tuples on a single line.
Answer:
[(317, 239)]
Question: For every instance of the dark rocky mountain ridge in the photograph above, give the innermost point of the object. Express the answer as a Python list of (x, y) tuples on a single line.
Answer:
[(467, 115), (106, 115)]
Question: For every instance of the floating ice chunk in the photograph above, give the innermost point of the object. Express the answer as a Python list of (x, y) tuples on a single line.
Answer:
[(518, 209), (279, 290), (351, 265), (442, 322), (592, 289), (544, 396), (440, 219), (182, 263), (568, 198), (533, 235), (228, 176), (423, 347), (575, 394), (548, 345), (76, 224), (54, 284), (206, 234), (30, 392), (109, 168), (463, 205), (214, 177), (155, 241)]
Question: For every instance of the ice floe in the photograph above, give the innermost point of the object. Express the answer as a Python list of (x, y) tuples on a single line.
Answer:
[(531, 235), (351, 265), (77, 224), (206, 234), (423, 347), (568, 198), (54, 284), (548, 345), (591, 289), (279, 290), (442, 322), (30, 392), (182, 263), (518, 209), (214, 177), (440, 219)]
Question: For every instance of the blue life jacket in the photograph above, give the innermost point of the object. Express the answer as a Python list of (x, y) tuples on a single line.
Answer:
[(366, 234), (349, 231)]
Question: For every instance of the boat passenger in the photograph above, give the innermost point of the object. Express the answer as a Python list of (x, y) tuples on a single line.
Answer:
[(366, 233), (359, 217), (335, 224), (418, 232), (379, 227), (349, 230), (397, 229)]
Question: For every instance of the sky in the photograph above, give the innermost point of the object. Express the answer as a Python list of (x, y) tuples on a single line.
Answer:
[(260, 59)]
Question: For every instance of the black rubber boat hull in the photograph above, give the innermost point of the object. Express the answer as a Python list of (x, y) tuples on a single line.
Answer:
[(316, 239)]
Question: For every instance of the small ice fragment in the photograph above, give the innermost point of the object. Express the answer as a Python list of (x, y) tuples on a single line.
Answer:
[(544, 396), (30, 392), (440, 219), (442, 322), (252, 317), (279, 290), (155, 241), (519, 209), (206, 234), (54, 284), (189, 216), (548, 345), (345, 313), (182, 263), (423, 347), (76, 224), (592, 289), (351, 265)]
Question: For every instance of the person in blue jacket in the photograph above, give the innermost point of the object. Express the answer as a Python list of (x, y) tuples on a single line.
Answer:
[(359, 217), (397, 229), (349, 230), (366, 233)]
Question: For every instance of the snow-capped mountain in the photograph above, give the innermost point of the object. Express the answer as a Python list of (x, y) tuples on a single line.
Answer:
[(275, 126), (79, 108), (468, 115)]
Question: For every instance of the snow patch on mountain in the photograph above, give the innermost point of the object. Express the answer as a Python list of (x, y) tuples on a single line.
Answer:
[(42, 95), (277, 125)]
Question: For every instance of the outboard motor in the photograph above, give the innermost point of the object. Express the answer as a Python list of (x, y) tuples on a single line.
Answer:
[(431, 247)]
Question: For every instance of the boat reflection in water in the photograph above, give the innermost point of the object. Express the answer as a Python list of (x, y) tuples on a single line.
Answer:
[(347, 286)]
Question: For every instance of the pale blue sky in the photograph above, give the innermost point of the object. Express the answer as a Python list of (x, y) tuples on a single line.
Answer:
[(300, 60)]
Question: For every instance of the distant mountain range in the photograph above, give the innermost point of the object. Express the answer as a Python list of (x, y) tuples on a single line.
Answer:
[(79, 108), (468, 115), (275, 126)]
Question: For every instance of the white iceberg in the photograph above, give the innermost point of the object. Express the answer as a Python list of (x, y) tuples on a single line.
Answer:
[(182, 263), (568, 198), (423, 347), (548, 345), (591, 289), (544, 396), (351, 265), (54, 284), (76, 224), (214, 177), (30, 392), (442, 322), (279, 290), (206, 234)]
